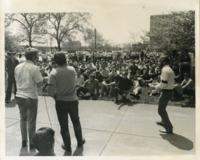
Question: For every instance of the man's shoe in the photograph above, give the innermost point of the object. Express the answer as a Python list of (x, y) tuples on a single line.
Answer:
[(81, 145), (66, 148), (79, 149)]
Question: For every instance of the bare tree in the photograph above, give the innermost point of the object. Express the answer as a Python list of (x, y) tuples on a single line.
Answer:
[(64, 26), (30, 22)]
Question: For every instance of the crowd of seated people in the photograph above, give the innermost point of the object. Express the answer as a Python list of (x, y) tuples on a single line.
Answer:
[(119, 78)]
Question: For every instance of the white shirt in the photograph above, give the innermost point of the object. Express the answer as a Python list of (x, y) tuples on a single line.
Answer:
[(27, 75), (167, 78)]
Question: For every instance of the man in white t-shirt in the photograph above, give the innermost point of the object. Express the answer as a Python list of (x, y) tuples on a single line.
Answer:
[(167, 85), (28, 77)]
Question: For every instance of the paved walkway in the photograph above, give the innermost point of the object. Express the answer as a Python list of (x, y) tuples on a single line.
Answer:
[(109, 131)]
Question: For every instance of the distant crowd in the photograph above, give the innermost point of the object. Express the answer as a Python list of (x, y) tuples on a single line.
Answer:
[(123, 77)]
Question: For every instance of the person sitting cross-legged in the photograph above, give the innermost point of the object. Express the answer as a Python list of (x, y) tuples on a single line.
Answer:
[(90, 89)]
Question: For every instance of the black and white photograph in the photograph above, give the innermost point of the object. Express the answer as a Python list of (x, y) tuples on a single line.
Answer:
[(104, 78)]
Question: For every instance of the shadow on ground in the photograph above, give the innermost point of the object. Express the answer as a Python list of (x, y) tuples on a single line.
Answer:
[(130, 104), (178, 141)]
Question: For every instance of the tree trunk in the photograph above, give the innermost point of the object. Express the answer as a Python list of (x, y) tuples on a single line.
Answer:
[(30, 40), (59, 46)]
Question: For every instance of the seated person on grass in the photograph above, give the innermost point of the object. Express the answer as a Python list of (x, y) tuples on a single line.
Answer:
[(137, 90), (184, 88), (187, 85), (90, 89), (156, 89)]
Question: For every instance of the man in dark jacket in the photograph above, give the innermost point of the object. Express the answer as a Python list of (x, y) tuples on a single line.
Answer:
[(10, 64)]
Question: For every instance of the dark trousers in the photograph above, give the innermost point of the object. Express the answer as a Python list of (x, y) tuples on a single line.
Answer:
[(11, 84), (28, 113), (165, 97), (123, 93), (84, 93), (63, 109)]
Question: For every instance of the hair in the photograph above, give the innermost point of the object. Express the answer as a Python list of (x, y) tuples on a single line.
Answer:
[(43, 139), (31, 54), (59, 59), (165, 60)]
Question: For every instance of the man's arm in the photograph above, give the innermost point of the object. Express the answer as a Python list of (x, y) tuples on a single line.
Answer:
[(188, 83), (37, 76), (51, 86)]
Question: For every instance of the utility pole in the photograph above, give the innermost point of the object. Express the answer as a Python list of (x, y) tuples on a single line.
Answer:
[(95, 39), (95, 42)]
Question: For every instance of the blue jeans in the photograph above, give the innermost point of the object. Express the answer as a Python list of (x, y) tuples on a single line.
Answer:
[(28, 113), (165, 97), (63, 109)]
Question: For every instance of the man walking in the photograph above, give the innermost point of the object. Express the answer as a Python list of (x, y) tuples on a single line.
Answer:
[(167, 86), (62, 84), (28, 77)]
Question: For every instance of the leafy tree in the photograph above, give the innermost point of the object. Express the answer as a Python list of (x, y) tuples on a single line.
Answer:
[(65, 26), (10, 42), (175, 32), (30, 22)]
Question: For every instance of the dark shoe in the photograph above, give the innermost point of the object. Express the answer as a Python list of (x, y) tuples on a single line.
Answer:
[(79, 149), (24, 144), (67, 149), (81, 145), (160, 124)]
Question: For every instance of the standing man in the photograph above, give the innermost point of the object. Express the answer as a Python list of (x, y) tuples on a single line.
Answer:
[(167, 85), (28, 78), (62, 87), (11, 63)]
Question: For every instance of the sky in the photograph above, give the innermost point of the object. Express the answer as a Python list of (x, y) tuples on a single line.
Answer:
[(121, 20)]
